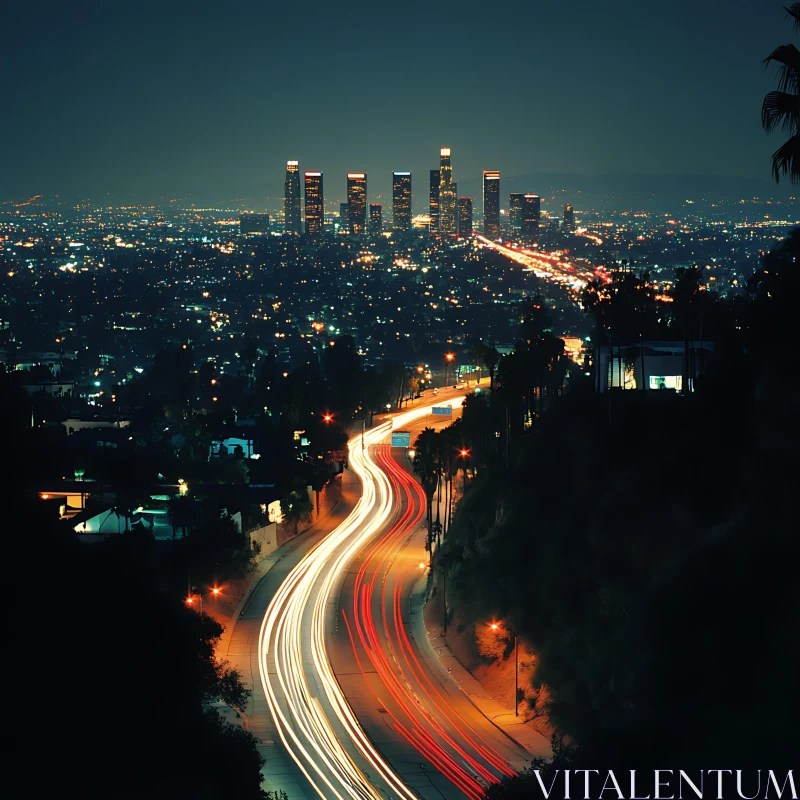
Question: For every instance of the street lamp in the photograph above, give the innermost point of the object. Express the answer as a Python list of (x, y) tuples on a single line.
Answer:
[(327, 418), (494, 626), (464, 453), (190, 601), (448, 358)]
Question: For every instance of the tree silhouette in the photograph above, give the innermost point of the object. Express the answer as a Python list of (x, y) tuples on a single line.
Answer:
[(427, 469), (781, 108)]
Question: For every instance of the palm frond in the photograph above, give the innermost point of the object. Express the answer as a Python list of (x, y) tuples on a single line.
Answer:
[(794, 11), (788, 56), (781, 109), (786, 160)]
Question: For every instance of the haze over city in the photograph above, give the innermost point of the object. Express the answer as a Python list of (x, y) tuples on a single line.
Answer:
[(167, 99)]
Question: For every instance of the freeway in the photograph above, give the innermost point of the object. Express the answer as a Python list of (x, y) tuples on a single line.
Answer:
[(404, 699), (356, 702)]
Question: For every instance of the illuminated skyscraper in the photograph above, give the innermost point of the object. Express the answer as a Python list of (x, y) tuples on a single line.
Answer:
[(515, 203), (569, 219), (315, 214), (447, 196), (434, 200), (401, 201), (464, 217), (357, 198), (291, 199), (344, 218), (375, 225), (531, 214), (491, 204)]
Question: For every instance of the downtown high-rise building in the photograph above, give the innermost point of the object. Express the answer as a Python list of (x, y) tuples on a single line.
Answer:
[(491, 204), (344, 218), (531, 215), (515, 202), (315, 206), (357, 200), (434, 200), (464, 217), (291, 199), (375, 222), (401, 201), (569, 219), (447, 196)]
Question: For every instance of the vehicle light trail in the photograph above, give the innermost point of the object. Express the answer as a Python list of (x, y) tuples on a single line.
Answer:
[(290, 662), (421, 713), (549, 266)]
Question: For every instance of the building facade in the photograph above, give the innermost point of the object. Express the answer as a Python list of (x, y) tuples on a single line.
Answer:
[(315, 213), (375, 224), (531, 216), (515, 203), (447, 196), (344, 218), (401, 201), (434, 200), (569, 219), (464, 217), (254, 224), (291, 199), (357, 200), (491, 204)]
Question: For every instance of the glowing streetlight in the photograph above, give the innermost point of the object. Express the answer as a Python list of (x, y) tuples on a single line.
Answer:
[(182, 487), (327, 417), (216, 591), (448, 359), (494, 626)]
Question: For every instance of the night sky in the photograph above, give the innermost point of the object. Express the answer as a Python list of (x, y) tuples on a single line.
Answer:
[(165, 98)]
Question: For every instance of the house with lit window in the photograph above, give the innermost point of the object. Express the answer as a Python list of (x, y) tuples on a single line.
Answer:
[(671, 366)]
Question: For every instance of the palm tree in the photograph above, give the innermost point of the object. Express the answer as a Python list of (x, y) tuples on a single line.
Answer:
[(781, 108), (427, 469)]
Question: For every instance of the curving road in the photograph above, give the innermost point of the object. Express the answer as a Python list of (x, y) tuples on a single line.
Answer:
[(359, 704)]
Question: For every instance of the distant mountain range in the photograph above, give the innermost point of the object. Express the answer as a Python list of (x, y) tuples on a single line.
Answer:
[(614, 191), (621, 191)]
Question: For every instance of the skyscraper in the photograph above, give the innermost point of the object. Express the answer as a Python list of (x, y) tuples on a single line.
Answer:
[(344, 218), (515, 203), (434, 200), (531, 213), (569, 219), (401, 201), (357, 198), (447, 196), (464, 217), (291, 198), (491, 204), (375, 225), (315, 214)]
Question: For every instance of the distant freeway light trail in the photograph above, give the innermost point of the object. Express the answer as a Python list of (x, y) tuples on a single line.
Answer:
[(551, 266), (296, 674)]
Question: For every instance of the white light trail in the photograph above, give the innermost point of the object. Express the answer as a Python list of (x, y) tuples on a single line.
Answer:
[(287, 663)]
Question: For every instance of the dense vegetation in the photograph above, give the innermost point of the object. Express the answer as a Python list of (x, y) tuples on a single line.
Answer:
[(116, 679), (649, 557)]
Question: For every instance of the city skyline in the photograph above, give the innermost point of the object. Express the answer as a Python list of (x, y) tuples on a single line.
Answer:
[(163, 131)]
